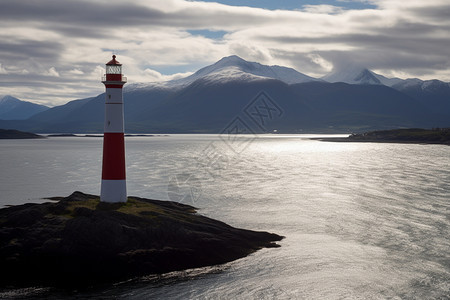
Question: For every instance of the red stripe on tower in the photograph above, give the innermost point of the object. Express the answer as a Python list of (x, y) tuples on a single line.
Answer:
[(114, 187), (113, 154)]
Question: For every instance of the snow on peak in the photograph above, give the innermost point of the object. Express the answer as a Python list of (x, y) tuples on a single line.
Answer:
[(235, 68), (287, 75), (353, 75), (367, 77), (228, 61), (433, 84), (231, 73)]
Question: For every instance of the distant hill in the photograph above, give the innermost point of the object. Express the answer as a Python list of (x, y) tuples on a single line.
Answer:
[(212, 98), (14, 109)]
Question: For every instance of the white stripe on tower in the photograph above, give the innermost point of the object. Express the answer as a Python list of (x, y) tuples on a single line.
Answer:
[(114, 188)]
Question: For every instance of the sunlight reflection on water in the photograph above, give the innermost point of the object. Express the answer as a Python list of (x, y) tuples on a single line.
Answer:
[(361, 220)]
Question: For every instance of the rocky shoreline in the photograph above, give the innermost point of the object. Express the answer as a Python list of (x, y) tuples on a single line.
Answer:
[(79, 241)]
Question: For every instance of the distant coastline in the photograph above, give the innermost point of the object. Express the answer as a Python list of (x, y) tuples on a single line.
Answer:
[(101, 135), (404, 136), (16, 134)]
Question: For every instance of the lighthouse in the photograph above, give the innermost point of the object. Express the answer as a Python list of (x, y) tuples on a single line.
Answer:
[(114, 187)]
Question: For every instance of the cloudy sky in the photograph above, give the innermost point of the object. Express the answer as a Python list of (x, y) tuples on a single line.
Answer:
[(54, 51)]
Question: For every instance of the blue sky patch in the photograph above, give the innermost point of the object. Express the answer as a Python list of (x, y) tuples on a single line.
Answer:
[(210, 34), (294, 4)]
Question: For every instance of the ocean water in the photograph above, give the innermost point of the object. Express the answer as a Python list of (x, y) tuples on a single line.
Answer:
[(360, 220)]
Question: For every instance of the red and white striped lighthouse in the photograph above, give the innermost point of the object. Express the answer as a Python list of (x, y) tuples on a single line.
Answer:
[(114, 187)]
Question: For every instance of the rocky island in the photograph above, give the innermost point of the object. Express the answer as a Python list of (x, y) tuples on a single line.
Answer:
[(79, 241)]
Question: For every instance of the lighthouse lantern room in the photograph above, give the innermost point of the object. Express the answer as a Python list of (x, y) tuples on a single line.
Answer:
[(113, 187)]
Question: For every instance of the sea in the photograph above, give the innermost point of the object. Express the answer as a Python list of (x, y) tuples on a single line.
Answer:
[(360, 220)]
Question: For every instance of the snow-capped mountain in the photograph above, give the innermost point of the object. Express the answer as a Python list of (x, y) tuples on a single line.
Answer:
[(433, 93), (424, 85), (12, 108), (357, 75), (353, 75), (234, 68)]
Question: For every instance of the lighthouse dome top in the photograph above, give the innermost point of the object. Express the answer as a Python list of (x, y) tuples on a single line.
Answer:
[(113, 61)]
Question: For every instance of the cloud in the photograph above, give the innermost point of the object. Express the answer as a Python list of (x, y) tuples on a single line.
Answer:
[(76, 72), (17, 48), (3, 70), (52, 72), (155, 76), (251, 52), (322, 9), (66, 43)]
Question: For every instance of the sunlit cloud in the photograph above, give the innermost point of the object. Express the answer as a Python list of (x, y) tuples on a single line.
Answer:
[(152, 75), (52, 72)]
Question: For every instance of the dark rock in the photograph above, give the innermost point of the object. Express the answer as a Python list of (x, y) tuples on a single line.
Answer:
[(81, 241)]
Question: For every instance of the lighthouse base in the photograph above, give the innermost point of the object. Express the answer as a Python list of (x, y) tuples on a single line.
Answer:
[(113, 191)]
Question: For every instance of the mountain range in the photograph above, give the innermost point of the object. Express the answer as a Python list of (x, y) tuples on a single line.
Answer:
[(234, 93), (14, 109)]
